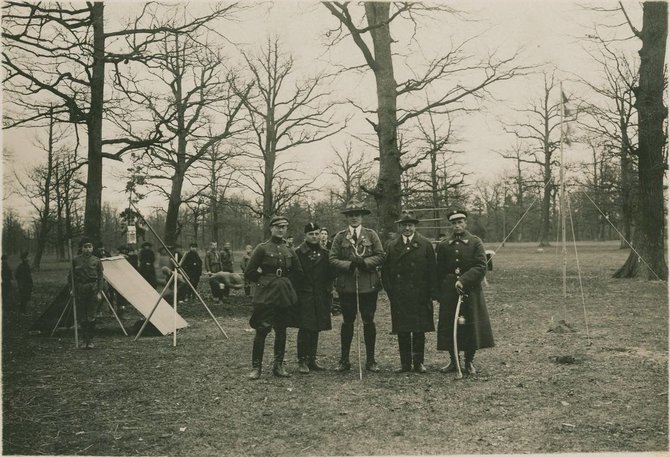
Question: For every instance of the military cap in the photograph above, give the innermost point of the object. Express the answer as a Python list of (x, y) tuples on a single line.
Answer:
[(457, 214), (311, 227), (278, 220), (355, 206), (407, 217), (85, 240), (193, 245)]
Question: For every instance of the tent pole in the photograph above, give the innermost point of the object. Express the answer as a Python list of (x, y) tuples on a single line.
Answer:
[(160, 297), (67, 305), (183, 273), (73, 292), (114, 313), (174, 305)]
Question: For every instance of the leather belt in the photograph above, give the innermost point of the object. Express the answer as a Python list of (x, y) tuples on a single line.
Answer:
[(278, 273)]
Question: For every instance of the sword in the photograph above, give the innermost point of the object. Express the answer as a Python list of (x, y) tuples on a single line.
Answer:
[(459, 374)]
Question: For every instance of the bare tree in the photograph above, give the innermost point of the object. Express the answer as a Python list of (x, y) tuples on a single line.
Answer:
[(57, 54), (282, 119), (469, 79), (652, 146), (540, 131), (188, 90), (349, 169)]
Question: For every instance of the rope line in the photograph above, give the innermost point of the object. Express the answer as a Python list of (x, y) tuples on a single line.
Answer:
[(515, 226), (623, 237), (579, 273)]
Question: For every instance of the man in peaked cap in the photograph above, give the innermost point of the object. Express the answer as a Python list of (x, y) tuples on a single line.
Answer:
[(355, 254), (275, 269), (314, 296), (461, 267), (409, 279)]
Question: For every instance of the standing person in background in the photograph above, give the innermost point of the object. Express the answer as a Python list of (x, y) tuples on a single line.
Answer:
[(461, 268), (226, 264), (132, 257), (147, 258), (324, 239), (289, 241), (275, 269), (24, 281), (213, 265), (192, 265), (314, 296), (88, 283), (355, 255), (245, 261), (409, 279)]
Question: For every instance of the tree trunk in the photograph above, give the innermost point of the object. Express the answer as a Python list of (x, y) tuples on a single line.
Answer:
[(45, 219), (172, 216), (545, 226), (93, 211), (650, 231), (388, 190)]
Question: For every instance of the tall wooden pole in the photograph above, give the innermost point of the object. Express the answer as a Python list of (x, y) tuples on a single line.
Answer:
[(562, 206)]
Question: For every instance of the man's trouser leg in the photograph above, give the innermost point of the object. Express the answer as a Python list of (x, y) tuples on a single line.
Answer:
[(257, 352), (418, 347), (348, 308), (368, 303), (279, 347), (405, 348)]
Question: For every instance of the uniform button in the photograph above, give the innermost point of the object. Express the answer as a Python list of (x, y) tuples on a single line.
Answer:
[(458, 260)]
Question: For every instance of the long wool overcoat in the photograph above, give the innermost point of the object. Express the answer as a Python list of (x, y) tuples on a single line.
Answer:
[(409, 279), (315, 288), (463, 258), (274, 268), (342, 253)]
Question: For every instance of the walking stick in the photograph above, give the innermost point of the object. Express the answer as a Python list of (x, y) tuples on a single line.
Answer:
[(358, 329), (459, 374), (74, 300)]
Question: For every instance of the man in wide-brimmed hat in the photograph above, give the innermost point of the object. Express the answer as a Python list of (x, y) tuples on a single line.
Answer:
[(461, 267), (355, 254), (410, 282), (88, 282)]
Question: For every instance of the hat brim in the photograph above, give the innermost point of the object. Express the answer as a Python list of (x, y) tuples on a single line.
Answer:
[(348, 212)]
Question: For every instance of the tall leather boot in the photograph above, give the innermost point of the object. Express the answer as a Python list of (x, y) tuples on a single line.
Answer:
[(346, 335), (257, 354), (280, 347), (469, 366), (303, 350), (85, 334), (418, 347), (404, 347), (451, 366), (370, 337), (312, 364)]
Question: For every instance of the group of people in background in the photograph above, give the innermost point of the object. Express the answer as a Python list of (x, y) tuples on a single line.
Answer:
[(294, 289), (24, 284)]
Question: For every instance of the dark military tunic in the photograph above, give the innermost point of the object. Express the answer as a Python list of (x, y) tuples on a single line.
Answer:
[(409, 279), (274, 268), (88, 282), (463, 258), (314, 290)]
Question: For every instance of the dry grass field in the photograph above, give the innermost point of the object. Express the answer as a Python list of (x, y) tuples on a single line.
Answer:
[(146, 397)]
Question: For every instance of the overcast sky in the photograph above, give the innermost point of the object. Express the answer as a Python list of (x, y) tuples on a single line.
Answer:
[(546, 32)]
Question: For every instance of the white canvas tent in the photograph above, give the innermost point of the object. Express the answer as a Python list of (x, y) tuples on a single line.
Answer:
[(128, 282)]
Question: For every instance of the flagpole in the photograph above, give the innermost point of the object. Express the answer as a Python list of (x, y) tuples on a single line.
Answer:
[(562, 205)]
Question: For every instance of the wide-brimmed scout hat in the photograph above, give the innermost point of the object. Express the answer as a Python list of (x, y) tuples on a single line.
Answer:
[(407, 217), (355, 206), (457, 214)]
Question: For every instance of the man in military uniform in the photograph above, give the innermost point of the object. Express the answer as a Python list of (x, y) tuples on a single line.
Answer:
[(315, 297), (147, 258), (88, 283), (355, 254), (274, 268), (193, 268), (409, 279), (461, 267)]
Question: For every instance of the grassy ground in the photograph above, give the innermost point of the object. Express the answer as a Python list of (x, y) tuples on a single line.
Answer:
[(149, 398)]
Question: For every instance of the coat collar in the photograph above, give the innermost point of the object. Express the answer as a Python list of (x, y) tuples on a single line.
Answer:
[(465, 239)]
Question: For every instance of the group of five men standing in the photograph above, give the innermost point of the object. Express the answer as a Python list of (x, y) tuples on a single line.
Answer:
[(293, 289)]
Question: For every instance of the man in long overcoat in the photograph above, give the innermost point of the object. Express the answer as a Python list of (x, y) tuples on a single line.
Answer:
[(461, 267), (409, 279), (274, 268), (315, 297), (147, 259), (355, 254)]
